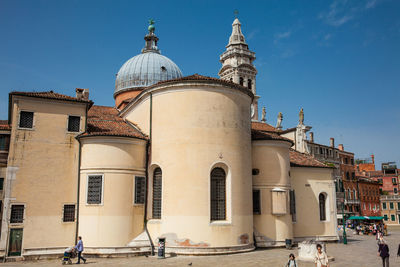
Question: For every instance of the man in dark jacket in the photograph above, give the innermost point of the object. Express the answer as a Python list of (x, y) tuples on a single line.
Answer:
[(383, 252)]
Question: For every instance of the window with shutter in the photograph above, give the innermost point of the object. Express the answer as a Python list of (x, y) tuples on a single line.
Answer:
[(218, 194), (157, 193), (74, 123), (293, 205), (26, 119), (256, 202), (139, 189), (95, 189), (322, 208), (17, 214), (69, 213)]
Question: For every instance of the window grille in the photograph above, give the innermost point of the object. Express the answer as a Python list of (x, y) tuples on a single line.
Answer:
[(157, 193), (139, 189), (256, 202), (26, 119), (292, 205), (322, 211), (69, 213), (74, 123), (17, 214), (218, 194), (95, 186)]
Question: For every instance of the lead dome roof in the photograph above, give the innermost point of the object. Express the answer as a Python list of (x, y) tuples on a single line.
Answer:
[(147, 68)]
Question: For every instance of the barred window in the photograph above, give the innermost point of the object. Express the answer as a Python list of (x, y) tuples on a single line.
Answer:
[(95, 189), (26, 119), (322, 208), (292, 205), (139, 189), (256, 202), (74, 123), (17, 214), (218, 194), (69, 213), (157, 193)]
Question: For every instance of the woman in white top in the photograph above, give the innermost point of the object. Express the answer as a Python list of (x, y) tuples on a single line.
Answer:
[(321, 260)]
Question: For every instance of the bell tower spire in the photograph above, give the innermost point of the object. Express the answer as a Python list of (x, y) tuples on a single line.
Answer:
[(237, 63)]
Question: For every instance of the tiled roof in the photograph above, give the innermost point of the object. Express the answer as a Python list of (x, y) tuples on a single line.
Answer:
[(51, 95), (104, 121), (298, 159), (260, 135), (4, 125), (262, 126)]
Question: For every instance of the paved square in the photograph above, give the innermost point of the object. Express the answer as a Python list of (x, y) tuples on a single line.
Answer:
[(361, 251)]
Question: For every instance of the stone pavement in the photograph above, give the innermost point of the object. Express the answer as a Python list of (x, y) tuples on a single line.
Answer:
[(361, 251)]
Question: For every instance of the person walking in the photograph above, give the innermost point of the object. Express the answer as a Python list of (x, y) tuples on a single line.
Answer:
[(321, 259), (383, 252), (79, 248), (292, 261)]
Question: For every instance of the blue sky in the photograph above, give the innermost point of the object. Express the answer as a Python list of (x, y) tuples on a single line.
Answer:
[(339, 60)]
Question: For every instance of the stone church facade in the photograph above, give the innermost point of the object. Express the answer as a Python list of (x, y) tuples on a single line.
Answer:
[(181, 158)]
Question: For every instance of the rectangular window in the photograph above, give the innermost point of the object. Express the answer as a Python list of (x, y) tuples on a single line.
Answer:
[(1, 183), (74, 123), (95, 189), (394, 180), (395, 190), (385, 217), (139, 189), (17, 214), (391, 205), (3, 142), (256, 202), (26, 119), (398, 206), (69, 213), (392, 217), (352, 161), (384, 205), (346, 160)]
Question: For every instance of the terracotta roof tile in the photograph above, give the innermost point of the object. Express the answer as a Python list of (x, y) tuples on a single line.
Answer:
[(260, 135), (298, 159), (104, 121), (262, 126), (4, 125), (51, 95)]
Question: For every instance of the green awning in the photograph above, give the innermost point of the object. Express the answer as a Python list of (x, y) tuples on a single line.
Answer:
[(374, 218)]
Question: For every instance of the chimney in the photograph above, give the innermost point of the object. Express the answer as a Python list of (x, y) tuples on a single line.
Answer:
[(340, 147), (82, 94), (311, 137), (332, 141)]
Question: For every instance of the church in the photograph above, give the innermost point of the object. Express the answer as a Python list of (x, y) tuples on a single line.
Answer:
[(185, 158)]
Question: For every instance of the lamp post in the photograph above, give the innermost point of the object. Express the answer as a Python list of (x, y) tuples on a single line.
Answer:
[(344, 225)]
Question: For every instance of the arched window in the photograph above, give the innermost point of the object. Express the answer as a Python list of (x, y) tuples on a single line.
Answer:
[(322, 208), (241, 81), (231, 80), (157, 193), (218, 194), (249, 84), (355, 194)]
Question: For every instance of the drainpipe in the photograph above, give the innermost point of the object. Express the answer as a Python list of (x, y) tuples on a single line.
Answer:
[(148, 154)]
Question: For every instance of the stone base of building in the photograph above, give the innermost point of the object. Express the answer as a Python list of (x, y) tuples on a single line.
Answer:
[(205, 251)]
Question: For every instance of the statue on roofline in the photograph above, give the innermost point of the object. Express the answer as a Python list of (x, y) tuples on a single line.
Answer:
[(301, 117), (264, 113), (279, 122)]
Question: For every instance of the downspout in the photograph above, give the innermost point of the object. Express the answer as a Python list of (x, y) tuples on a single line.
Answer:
[(148, 154), (79, 178)]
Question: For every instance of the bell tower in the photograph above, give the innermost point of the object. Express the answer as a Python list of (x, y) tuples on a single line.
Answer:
[(237, 64)]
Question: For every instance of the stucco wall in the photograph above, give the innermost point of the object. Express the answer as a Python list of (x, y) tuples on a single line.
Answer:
[(117, 220), (197, 127), (43, 167), (308, 183), (271, 158)]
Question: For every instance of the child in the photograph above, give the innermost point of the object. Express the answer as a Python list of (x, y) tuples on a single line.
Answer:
[(291, 262)]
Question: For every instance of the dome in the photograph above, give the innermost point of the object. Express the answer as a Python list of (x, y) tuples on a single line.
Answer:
[(146, 69)]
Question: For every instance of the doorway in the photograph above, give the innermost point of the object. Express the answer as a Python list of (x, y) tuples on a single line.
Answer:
[(15, 243)]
